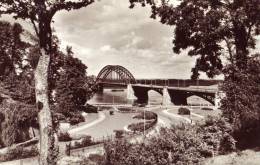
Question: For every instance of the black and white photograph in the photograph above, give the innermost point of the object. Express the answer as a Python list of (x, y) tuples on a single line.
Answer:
[(129, 82)]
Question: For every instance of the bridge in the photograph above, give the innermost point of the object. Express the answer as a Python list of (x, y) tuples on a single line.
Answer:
[(174, 91)]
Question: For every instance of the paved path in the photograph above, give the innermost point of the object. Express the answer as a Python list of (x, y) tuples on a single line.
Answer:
[(101, 117)]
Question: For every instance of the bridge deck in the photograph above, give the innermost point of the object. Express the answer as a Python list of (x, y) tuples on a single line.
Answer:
[(206, 89)]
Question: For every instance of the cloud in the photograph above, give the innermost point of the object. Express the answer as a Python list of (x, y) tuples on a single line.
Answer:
[(105, 48)]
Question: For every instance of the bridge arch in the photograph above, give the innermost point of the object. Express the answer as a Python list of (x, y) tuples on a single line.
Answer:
[(159, 91), (207, 97), (115, 72), (154, 96)]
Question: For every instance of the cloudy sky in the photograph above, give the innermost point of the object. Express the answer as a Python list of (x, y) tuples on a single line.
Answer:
[(109, 33)]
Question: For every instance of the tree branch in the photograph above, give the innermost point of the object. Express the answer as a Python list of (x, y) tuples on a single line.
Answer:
[(69, 5), (35, 27)]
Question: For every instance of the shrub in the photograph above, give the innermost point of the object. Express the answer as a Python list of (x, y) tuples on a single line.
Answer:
[(19, 153), (206, 108), (183, 111), (86, 141), (148, 115), (119, 133), (182, 144), (76, 118), (90, 109), (141, 126), (64, 137), (59, 116), (125, 109)]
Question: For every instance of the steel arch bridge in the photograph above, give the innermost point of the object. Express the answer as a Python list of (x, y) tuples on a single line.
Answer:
[(115, 74)]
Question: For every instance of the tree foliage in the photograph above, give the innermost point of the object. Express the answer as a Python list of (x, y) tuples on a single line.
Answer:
[(241, 104), (222, 33), (40, 13), (184, 144), (12, 49), (208, 28), (18, 82), (71, 93), (18, 118)]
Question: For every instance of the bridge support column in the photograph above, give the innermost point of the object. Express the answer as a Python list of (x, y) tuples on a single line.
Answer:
[(178, 97), (130, 92), (166, 97)]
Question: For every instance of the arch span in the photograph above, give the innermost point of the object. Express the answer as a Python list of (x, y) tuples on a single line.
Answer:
[(207, 97), (116, 73)]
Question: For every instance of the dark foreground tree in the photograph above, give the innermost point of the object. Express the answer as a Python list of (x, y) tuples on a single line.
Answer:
[(40, 13), (221, 33), (241, 104), (209, 28)]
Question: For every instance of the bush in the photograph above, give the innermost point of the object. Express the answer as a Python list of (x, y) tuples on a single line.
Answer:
[(119, 133), (125, 109), (86, 141), (59, 116), (90, 109), (19, 153), (148, 115), (182, 144), (64, 137), (207, 109), (76, 118), (183, 111), (141, 126)]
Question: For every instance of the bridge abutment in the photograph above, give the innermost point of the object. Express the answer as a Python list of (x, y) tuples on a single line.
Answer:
[(166, 97), (130, 92)]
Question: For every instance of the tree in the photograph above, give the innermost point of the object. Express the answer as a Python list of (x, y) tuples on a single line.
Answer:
[(40, 13), (241, 104), (70, 93), (208, 28), (12, 48), (215, 30)]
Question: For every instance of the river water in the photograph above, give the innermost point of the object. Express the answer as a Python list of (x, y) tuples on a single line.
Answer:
[(119, 121)]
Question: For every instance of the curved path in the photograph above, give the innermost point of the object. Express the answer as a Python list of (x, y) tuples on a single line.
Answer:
[(101, 117)]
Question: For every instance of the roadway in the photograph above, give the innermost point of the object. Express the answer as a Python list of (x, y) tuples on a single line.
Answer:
[(210, 89)]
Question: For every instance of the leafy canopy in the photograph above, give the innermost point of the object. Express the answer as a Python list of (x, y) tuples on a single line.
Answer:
[(40, 13), (210, 29)]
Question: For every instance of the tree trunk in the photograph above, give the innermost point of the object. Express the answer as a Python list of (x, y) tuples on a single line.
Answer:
[(241, 44), (47, 140)]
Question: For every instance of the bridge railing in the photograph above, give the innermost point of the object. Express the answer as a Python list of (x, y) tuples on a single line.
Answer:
[(177, 82), (162, 82)]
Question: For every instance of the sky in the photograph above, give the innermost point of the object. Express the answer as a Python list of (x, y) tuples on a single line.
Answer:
[(109, 33)]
